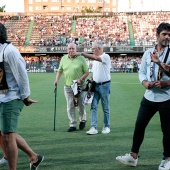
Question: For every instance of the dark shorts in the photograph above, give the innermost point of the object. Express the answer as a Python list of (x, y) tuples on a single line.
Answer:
[(9, 115)]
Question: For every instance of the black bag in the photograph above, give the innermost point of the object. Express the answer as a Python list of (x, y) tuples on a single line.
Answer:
[(89, 86), (3, 82)]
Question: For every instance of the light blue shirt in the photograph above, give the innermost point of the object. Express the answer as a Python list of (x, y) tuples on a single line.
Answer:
[(155, 94), (16, 74)]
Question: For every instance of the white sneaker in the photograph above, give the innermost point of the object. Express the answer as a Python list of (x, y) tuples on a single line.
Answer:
[(164, 165), (3, 162), (92, 131), (127, 159), (106, 130)]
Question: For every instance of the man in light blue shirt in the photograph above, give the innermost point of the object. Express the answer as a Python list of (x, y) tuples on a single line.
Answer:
[(156, 98)]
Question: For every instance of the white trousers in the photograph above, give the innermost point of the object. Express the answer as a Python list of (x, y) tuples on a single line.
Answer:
[(70, 106)]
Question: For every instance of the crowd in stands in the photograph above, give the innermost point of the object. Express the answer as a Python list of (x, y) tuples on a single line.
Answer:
[(50, 30), (40, 64), (144, 26), (56, 30), (125, 63), (120, 63), (111, 31), (17, 28)]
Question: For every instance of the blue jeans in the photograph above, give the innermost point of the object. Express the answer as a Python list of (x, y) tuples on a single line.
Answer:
[(101, 92)]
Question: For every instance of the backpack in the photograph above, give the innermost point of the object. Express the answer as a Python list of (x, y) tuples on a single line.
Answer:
[(3, 82)]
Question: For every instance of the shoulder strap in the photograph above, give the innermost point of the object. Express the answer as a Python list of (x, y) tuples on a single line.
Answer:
[(4, 50), (165, 59), (166, 56)]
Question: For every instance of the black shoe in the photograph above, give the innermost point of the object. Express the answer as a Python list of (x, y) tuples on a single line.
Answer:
[(71, 129), (82, 125)]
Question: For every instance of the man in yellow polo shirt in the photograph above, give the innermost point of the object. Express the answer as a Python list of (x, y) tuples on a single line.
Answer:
[(74, 68)]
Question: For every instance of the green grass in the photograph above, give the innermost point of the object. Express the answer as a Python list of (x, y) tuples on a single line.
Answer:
[(69, 151)]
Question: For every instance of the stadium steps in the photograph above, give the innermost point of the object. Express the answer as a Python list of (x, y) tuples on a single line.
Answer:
[(73, 26), (131, 35), (29, 33), (63, 39)]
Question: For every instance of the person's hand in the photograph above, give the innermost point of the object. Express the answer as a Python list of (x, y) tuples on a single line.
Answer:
[(76, 53), (165, 67), (161, 84), (154, 56), (27, 101), (148, 85), (55, 83), (79, 82)]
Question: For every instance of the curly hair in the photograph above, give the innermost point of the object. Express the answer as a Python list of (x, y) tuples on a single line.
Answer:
[(3, 33), (163, 26)]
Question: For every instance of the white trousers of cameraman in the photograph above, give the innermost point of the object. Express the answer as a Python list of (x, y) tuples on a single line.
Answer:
[(71, 111)]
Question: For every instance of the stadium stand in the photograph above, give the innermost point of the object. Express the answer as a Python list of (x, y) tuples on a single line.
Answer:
[(57, 30), (42, 38)]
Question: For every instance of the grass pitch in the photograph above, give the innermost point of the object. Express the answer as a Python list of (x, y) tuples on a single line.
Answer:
[(76, 150)]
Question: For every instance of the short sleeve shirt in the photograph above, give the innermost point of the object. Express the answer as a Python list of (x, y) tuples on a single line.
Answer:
[(72, 69)]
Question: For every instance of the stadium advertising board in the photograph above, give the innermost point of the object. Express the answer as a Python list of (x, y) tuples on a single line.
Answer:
[(63, 49)]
